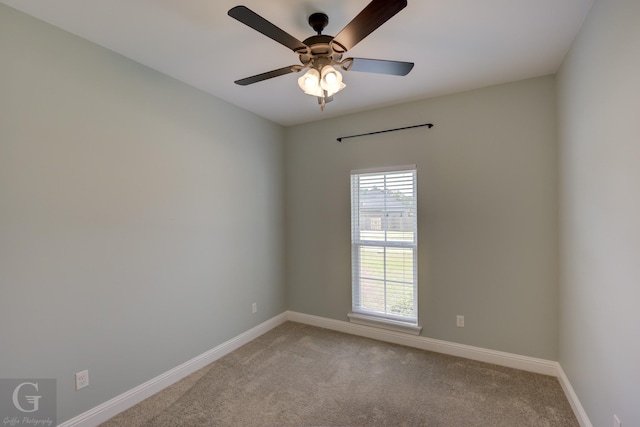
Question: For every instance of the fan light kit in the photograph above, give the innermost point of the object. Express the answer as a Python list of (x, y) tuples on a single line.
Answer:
[(321, 54), (325, 83)]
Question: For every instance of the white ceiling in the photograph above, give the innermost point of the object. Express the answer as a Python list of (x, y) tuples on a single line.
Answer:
[(456, 45)]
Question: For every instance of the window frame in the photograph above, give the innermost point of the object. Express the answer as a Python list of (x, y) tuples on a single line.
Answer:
[(383, 319)]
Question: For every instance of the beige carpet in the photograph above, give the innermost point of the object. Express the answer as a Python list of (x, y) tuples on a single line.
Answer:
[(298, 375)]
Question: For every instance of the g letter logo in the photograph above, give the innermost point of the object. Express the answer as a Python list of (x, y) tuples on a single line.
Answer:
[(33, 400)]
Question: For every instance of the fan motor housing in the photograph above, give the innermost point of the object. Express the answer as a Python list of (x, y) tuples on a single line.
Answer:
[(319, 47)]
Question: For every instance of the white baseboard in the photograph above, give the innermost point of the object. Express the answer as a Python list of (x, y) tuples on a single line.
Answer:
[(525, 363), (113, 407), (581, 414)]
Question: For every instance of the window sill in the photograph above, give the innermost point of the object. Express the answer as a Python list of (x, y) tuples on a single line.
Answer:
[(392, 325)]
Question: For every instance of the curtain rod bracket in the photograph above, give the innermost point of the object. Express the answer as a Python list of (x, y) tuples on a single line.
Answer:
[(429, 125)]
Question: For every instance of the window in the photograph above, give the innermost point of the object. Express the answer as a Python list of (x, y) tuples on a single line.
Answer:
[(384, 248)]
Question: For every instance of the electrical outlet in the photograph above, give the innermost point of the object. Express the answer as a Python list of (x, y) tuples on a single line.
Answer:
[(616, 421), (254, 308), (82, 379), (460, 321)]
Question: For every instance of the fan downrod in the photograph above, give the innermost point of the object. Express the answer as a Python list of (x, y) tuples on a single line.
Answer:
[(318, 21)]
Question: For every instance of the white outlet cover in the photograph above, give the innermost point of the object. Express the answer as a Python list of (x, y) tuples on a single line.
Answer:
[(82, 379)]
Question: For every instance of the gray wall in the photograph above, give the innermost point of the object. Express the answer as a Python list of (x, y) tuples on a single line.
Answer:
[(139, 217), (599, 137), (487, 207)]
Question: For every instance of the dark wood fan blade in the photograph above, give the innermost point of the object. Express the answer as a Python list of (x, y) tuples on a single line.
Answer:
[(381, 66), (371, 17), (265, 76), (258, 23)]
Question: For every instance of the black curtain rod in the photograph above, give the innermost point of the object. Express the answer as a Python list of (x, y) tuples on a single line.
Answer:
[(429, 125)]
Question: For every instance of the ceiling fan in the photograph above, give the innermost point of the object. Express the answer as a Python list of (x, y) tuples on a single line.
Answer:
[(320, 53)]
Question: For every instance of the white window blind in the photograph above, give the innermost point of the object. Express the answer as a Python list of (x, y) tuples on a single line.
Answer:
[(384, 244)]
